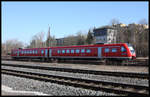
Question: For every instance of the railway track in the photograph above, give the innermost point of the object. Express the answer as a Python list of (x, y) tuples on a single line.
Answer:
[(94, 62), (111, 87), (108, 73)]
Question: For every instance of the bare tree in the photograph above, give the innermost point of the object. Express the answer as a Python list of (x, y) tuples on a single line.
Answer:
[(81, 39), (11, 44), (143, 21), (114, 21), (37, 41)]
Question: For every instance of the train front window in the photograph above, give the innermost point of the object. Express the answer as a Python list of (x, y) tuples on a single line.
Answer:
[(131, 48)]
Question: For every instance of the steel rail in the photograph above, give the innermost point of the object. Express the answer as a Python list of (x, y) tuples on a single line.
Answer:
[(92, 62), (108, 73), (117, 88)]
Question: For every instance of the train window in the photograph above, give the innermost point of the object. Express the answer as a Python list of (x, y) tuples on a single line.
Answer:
[(123, 49), (58, 51), (82, 50), (88, 51), (63, 51), (77, 50), (114, 50), (42, 51), (33, 51), (106, 50), (67, 51), (72, 51)]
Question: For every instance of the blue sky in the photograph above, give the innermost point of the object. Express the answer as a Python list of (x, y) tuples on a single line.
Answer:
[(23, 20)]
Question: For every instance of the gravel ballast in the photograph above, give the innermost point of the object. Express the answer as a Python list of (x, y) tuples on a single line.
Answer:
[(84, 66), (124, 80), (52, 89)]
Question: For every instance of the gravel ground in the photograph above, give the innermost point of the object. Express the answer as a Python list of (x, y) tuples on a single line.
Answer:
[(51, 89), (125, 80)]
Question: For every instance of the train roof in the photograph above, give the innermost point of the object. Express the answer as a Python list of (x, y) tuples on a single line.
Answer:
[(74, 46)]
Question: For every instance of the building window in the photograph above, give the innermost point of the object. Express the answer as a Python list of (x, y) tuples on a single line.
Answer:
[(77, 51), (114, 50), (72, 51), (88, 51), (106, 50)]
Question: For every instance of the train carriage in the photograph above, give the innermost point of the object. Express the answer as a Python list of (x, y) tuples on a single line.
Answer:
[(109, 52)]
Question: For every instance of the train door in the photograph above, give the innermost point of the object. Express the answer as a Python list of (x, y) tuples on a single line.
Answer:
[(18, 53), (50, 52), (46, 51), (99, 52)]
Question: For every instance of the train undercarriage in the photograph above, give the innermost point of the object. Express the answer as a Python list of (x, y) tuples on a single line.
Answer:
[(106, 61)]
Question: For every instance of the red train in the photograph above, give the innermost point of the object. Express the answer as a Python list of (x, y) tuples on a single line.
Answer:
[(109, 52)]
